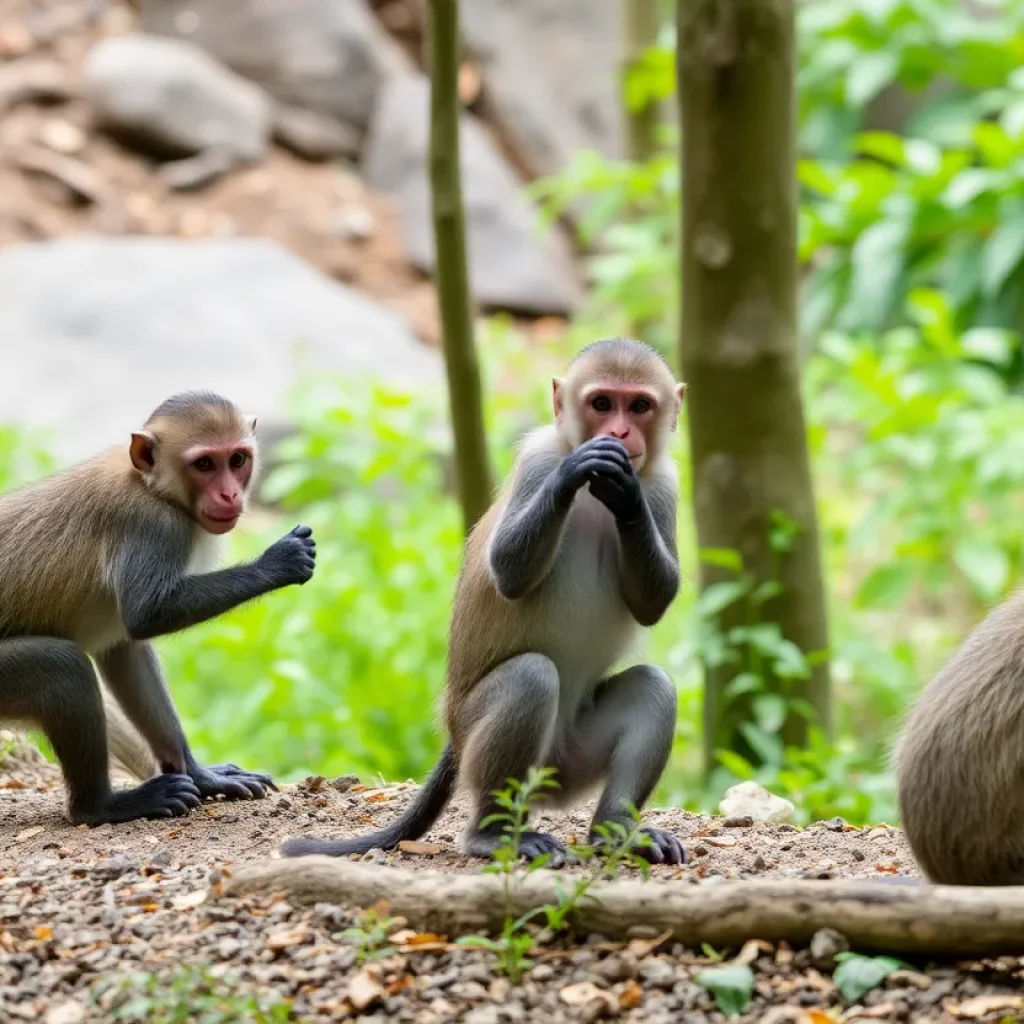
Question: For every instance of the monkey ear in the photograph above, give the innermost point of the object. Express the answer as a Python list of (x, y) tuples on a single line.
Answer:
[(680, 397), (252, 424), (558, 395), (142, 450)]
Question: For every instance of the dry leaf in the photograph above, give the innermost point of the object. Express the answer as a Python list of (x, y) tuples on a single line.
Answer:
[(586, 992), (29, 833), (631, 996), (363, 990), (288, 937), (979, 1006), (406, 937), (150, 908), (192, 900), (881, 1011), (751, 950), (379, 798), (419, 849), (43, 933), (644, 947), (13, 784), (723, 842), (816, 1017)]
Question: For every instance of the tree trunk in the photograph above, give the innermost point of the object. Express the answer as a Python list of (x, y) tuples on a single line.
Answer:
[(472, 464), (642, 20), (736, 64)]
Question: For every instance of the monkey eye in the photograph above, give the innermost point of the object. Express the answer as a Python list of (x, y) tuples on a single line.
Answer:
[(204, 464), (239, 459), (601, 404), (640, 405)]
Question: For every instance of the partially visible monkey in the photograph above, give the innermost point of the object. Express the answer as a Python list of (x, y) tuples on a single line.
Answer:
[(98, 560), (575, 556), (960, 759)]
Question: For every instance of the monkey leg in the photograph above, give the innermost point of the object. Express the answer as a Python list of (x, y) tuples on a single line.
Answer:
[(509, 720), (625, 738), (51, 683), (132, 672)]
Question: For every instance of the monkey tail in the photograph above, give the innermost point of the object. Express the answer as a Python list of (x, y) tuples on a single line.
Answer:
[(417, 819)]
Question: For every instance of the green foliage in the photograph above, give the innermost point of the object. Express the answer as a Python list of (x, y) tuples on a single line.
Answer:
[(370, 934), (520, 932), (857, 974), (731, 985), (187, 995)]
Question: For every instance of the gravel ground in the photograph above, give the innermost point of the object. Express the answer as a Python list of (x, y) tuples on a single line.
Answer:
[(82, 907)]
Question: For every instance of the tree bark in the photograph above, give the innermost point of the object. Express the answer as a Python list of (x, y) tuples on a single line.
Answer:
[(642, 20), (958, 920), (454, 297), (736, 66)]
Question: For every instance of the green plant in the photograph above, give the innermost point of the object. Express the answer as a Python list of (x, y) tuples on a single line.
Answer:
[(612, 850), (185, 995), (369, 934), (732, 985), (857, 974)]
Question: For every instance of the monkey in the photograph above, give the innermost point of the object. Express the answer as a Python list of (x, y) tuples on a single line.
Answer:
[(575, 557), (98, 560), (959, 759)]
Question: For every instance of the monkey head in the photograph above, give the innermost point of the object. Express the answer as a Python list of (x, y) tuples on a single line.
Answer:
[(619, 388), (198, 451)]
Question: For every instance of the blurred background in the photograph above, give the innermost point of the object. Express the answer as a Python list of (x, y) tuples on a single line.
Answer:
[(234, 194)]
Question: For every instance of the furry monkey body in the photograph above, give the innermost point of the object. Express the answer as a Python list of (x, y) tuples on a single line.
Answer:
[(575, 557), (97, 561), (960, 759)]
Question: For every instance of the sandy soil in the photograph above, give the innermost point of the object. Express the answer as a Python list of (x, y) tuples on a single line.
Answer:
[(81, 906)]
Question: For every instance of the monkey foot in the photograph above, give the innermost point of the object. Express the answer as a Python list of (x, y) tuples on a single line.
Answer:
[(231, 782), (532, 846), (661, 847), (163, 796)]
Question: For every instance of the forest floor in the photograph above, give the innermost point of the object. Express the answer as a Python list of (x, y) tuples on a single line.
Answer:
[(80, 906)]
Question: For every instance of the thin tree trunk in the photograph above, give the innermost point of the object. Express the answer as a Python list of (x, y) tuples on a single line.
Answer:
[(736, 64), (472, 464), (642, 20)]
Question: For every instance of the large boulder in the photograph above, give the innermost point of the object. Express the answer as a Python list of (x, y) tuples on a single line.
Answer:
[(323, 57), (552, 73), (174, 97), (513, 263), (96, 332)]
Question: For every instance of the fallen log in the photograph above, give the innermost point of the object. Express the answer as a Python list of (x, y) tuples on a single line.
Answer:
[(956, 920)]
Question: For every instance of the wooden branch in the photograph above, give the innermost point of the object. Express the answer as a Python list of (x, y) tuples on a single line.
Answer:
[(955, 920)]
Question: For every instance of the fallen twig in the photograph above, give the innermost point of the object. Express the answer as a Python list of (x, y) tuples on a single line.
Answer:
[(918, 919)]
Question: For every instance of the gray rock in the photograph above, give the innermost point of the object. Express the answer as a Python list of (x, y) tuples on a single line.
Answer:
[(551, 69), (320, 56), (174, 98), (115, 325), (512, 263)]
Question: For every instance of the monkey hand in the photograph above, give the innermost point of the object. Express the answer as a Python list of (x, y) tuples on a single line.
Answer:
[(581, 466), (291, 559), (230, 781), (614, 483)]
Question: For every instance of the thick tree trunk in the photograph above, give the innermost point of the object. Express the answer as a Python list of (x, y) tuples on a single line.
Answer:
[(472, 464), (916, 919), (736, 65)]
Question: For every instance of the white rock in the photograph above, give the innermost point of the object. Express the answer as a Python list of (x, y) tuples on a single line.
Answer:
[(748, 799)]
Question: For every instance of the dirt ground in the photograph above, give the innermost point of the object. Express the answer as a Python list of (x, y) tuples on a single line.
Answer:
[(79, 906)]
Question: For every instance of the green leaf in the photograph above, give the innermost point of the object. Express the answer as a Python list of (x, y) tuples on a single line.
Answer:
[(770, 712), (877, 258), (868, 75), (724, 558), (967, 186), (732, 987), (984, 564), (744, 682), (990, 344), (857, 975), (767, 746), (720, 595), (886, 586), (1002, 255)]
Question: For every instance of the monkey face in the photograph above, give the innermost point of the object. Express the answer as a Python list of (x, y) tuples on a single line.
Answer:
[(218, 477), (627, 413)]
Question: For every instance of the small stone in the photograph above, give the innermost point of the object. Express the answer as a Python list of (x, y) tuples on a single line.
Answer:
[(482, 1015), (825, 944), (658, 972), (738, 821), (228, 949), (343, 783), (835, 824), (614, 968), (542, 972), (857, 855), (66, 1013), (363, 990), (748, 799), (760, 864)]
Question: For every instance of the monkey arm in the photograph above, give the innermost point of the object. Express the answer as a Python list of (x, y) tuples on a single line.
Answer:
[(525, 540), (649, 566), (156, 597)]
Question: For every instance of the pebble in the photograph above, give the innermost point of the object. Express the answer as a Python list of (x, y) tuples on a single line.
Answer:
[(658, 972)]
